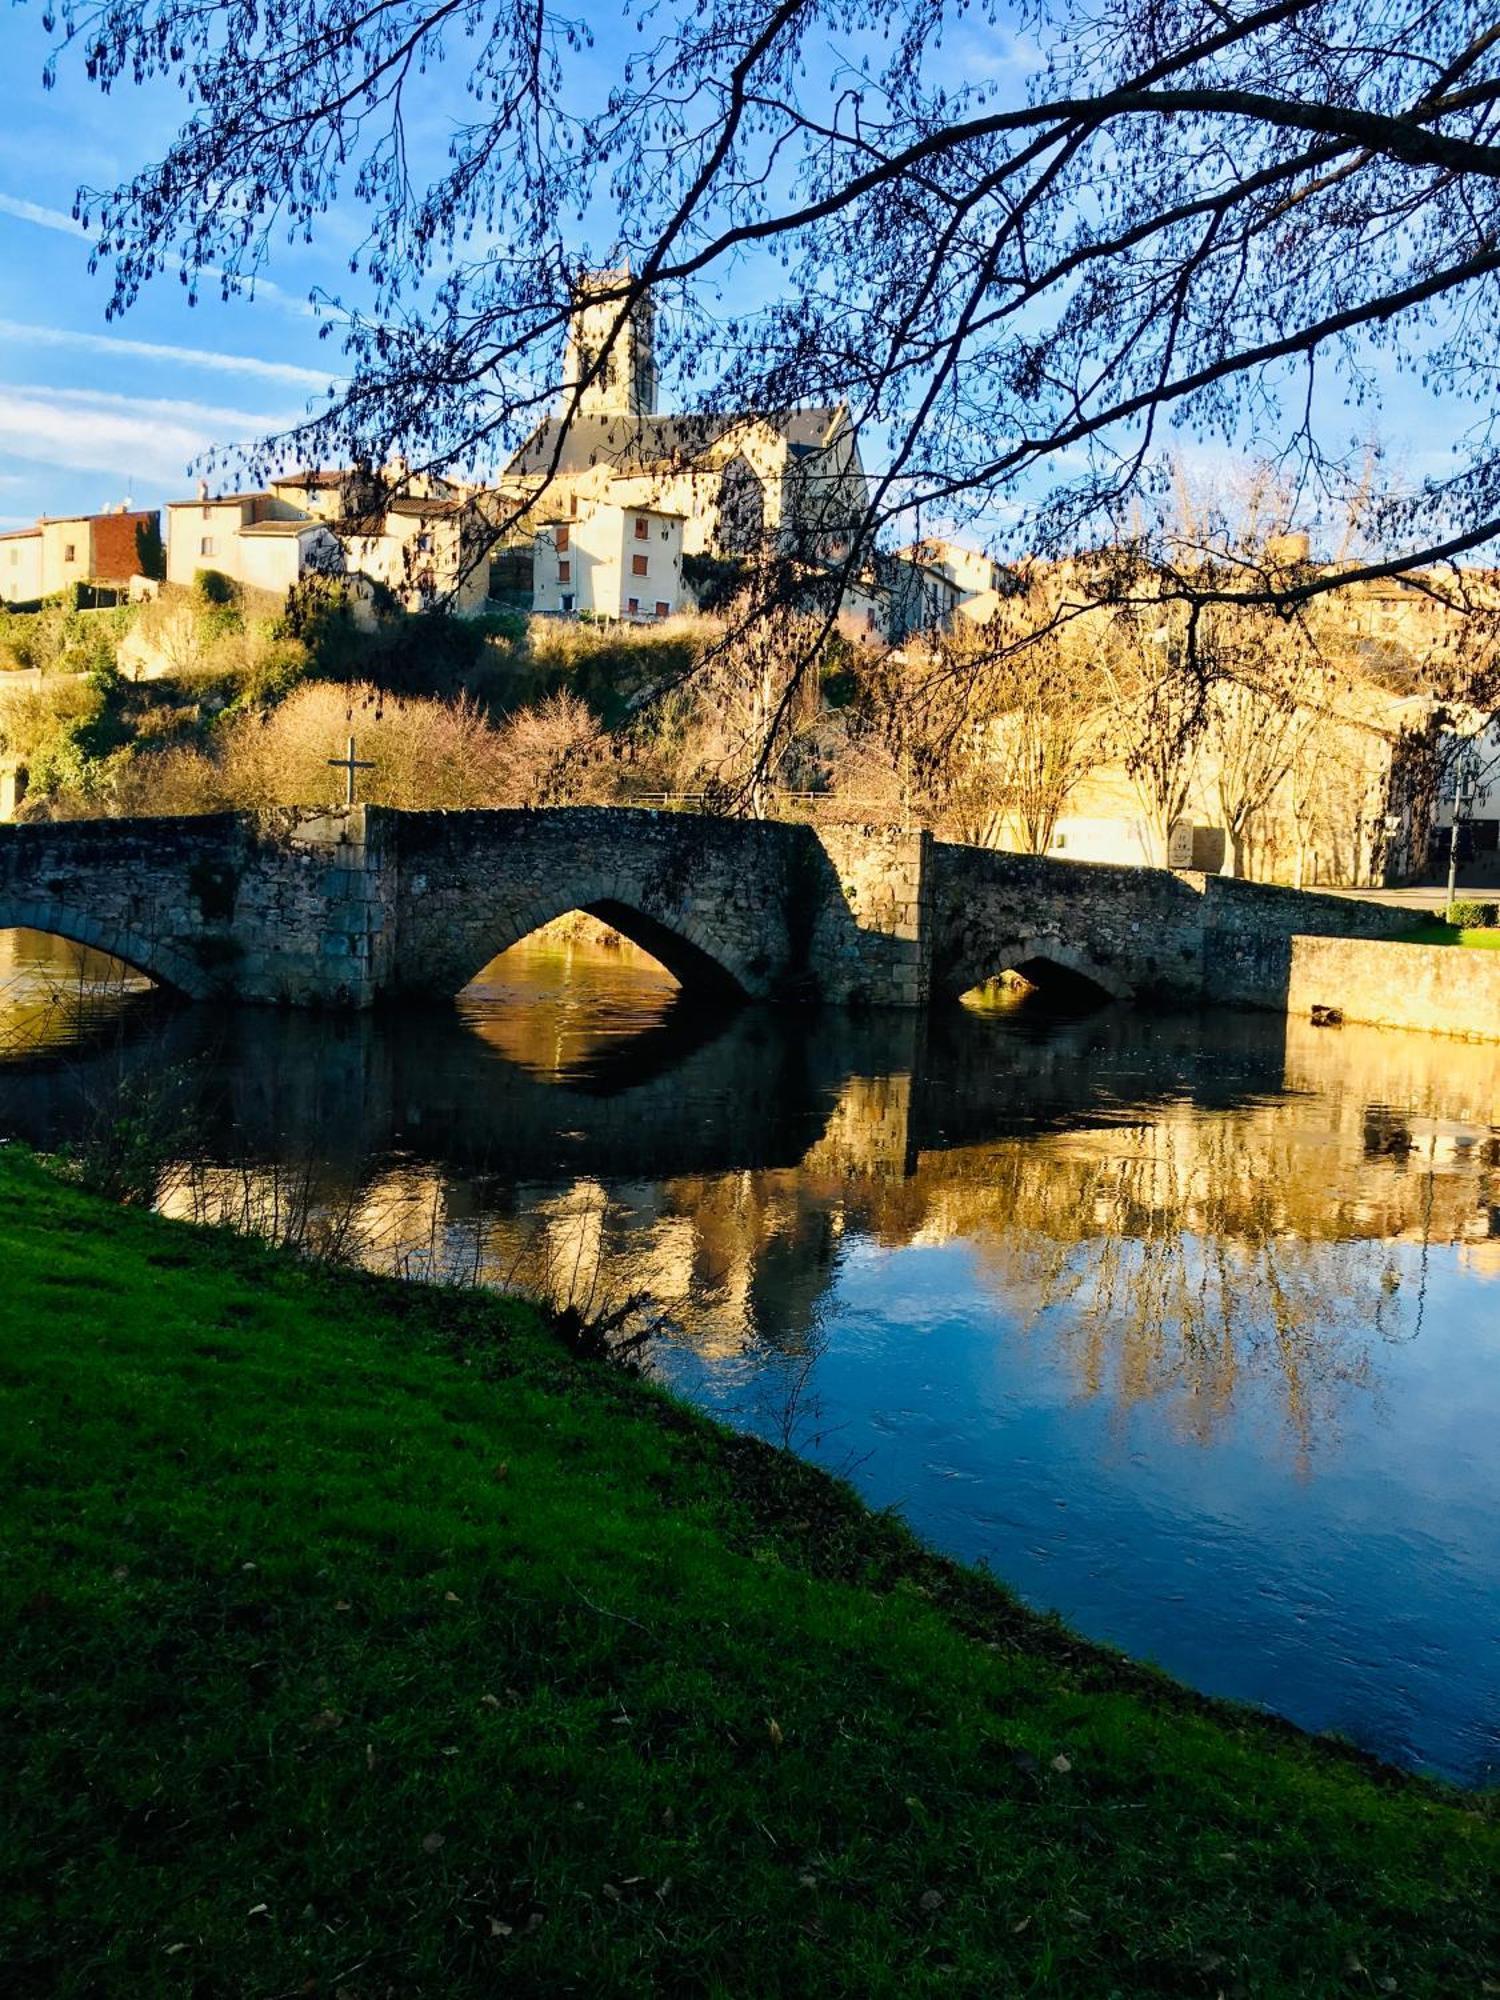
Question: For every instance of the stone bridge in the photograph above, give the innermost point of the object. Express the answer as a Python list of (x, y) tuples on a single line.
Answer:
[(310, 908)]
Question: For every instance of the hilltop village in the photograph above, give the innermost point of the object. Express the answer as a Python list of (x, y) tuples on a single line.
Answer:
[(1328, 751)]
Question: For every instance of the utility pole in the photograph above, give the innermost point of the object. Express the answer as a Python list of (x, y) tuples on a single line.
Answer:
[(1463, 805)]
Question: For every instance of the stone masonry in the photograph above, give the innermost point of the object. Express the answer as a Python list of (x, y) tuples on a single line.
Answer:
[(315, 908)]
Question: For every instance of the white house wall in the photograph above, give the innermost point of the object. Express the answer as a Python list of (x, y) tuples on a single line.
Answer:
[(21, 569)]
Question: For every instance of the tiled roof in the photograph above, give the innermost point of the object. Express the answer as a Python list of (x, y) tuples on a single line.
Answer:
[(312, 477), (223, 499), (657, 444), (414, 504), (282, 527)]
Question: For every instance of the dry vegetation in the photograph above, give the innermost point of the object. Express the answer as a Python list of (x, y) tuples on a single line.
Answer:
[(1294, 735)]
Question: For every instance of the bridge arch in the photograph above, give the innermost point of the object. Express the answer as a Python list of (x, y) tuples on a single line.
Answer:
[(158, 961), (1036, 956), (691, 947)]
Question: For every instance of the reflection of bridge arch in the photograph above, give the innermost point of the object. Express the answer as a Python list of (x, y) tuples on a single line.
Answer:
[(1034, 956), (158, 961)]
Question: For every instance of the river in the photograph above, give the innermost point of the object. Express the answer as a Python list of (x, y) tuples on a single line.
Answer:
[(1187, 1325)]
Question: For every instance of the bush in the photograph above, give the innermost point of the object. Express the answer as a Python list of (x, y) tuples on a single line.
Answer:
[(1470, 916), (212, 586), (58, 638)]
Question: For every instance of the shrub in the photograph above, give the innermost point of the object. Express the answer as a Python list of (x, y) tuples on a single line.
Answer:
[(58, 638), (212, 586), (1471, 916)]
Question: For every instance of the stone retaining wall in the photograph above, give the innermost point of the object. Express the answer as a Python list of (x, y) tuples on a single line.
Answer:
[(1442, 989), (1248, 930)]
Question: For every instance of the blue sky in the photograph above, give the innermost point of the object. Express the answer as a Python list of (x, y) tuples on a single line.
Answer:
[(92, 412)]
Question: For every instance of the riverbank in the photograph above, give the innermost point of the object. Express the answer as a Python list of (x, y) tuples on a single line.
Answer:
[(364, 1642)]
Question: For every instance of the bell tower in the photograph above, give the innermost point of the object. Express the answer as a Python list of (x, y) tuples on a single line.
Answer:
[(625, 384)]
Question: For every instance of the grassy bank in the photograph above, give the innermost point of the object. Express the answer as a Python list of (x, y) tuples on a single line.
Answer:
[(363, 1644), (1437, 932)]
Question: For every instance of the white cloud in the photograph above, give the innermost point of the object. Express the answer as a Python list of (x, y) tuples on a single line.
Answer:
[(146, 441), (221, 420), (55, 218), (153, 350), (45, 218)]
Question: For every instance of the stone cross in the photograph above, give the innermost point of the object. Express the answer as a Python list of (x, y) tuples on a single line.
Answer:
[(349, 764)]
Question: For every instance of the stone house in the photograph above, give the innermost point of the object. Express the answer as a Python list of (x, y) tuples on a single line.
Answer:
[(98, 550), (422, 540), (205, 533), (429, 551), (21, 566), (923, 595), (612, 562), (275, 555), (972, 572)]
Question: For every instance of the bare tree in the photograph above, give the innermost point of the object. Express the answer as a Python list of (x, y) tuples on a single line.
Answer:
[(1219, 218), (1255, 734), (1159, 710)]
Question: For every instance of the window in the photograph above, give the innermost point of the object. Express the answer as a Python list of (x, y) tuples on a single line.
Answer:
[(663, 609), (639, 566), (635, 604), (424, 543), (206, 545), (567, 602), (573, 505), (70, 552), (561, 540), (565, 572), (642, 529)]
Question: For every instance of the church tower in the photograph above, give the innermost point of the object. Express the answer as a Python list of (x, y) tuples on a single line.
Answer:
[(626, 384)]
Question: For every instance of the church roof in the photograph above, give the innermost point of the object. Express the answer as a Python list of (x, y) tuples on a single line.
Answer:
[(285, 528), (658, 444)]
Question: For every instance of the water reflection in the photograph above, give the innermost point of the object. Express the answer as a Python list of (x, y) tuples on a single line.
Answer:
[(1185, 1325), (57, 996)]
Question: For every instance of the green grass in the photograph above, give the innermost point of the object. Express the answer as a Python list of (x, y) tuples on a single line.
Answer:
[(360, 1643), (1437, 932)]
